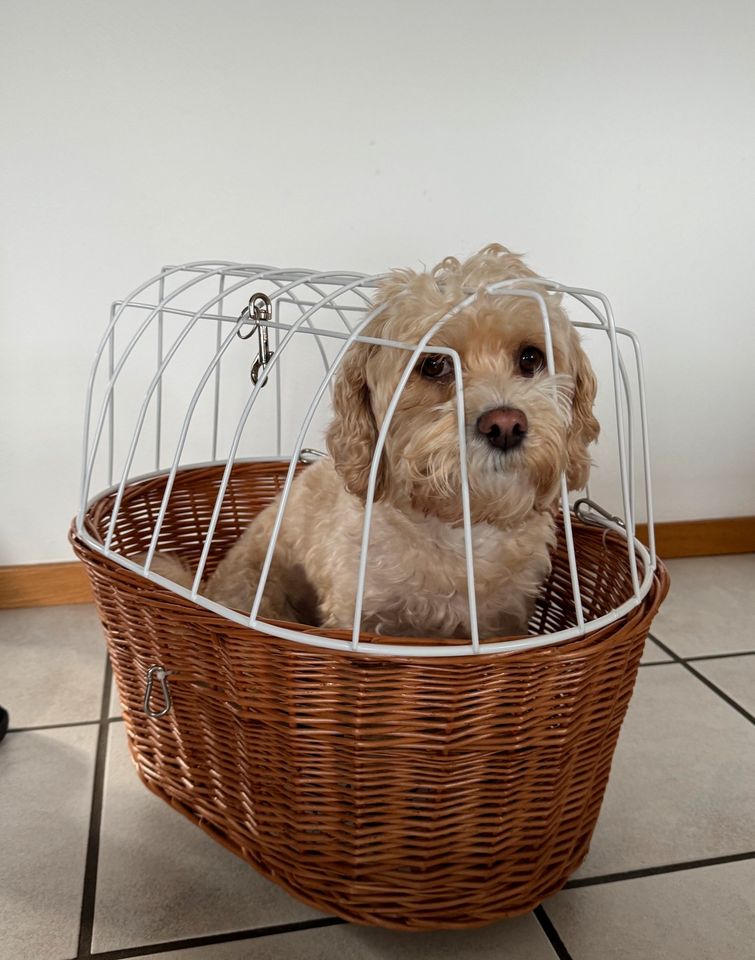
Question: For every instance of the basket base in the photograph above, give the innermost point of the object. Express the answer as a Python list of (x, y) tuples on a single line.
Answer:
[(339, 908)]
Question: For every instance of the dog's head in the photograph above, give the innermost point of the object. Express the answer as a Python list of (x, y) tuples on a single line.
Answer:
[(523, 427)]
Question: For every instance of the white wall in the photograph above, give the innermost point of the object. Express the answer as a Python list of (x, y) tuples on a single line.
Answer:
[(612, 142)]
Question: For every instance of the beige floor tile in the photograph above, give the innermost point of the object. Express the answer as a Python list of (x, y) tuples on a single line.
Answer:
[(653, 653), (45, 797), (161, 878), (702, 914), (682, 782), (115, 703), (734, 675), (710, 607), (518, 939), (53, 661)]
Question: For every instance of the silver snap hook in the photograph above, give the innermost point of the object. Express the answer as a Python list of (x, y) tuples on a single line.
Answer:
[(241, 333), (590, 512), (156, 672), (260, 312), (257, 367), (308, 455)]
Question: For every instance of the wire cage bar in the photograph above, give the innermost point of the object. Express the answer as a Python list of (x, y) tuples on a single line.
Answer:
[(331, 308)]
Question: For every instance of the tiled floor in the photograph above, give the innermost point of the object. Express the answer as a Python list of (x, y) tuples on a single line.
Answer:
[(92, 865)]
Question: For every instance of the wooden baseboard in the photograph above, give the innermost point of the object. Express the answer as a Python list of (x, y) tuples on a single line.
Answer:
[(702, 538), (45, 584)]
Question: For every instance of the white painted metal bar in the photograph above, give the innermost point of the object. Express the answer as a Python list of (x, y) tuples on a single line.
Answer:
[(159, 399), (378, 452), (316, 331), (397, 649), (571, 554), (278, 392), (606, 320), (90, 454), (198, 465), (151, 389), (331, 287), (622, 445), (645, 440), (464, 482), (341, 308), (117, 309), (461, 422), (301, 304), (602, 324), (565, 509), (248, 278), (338, 278), (626, 385), (291, 301), (295, 455), (212, 366), (111, 405), (218, 343), (275, 360)]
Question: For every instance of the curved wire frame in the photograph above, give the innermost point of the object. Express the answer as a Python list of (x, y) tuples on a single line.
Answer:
[(332, 293)]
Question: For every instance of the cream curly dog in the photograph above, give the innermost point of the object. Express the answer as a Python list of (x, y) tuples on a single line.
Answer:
[(523, 428)]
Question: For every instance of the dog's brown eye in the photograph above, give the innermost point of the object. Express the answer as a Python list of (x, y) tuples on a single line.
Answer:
[(437, 367), (531, 361)]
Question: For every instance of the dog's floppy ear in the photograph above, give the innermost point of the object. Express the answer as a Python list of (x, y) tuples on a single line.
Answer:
[(352, 433), (584, 427)]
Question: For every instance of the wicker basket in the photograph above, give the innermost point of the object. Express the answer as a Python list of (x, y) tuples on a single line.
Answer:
[(409, 793)]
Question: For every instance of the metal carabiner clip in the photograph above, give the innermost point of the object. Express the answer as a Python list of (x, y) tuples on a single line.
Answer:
[(582, 505), (156, 672), (260, 311), (308, 455)]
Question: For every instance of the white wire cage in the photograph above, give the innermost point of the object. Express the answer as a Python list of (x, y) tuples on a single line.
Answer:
[(170, 389)]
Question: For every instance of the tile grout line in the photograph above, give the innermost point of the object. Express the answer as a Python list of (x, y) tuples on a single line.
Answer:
[(720, 656), (703, 679), (694, 659), (187, 943), (64, 726), (659, 871), (86, 924), (551, 933)]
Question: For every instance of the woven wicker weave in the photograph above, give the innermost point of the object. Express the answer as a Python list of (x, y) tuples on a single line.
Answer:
[(409, 793)]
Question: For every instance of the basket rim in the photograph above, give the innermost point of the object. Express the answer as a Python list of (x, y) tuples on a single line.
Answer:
[(336, 640)]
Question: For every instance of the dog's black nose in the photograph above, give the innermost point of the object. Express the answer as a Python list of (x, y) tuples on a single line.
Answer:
[(504, 427)]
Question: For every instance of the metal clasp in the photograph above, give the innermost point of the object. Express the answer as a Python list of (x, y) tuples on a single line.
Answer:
[(308, 455), (156, 672), (260, 311), (584, 504)]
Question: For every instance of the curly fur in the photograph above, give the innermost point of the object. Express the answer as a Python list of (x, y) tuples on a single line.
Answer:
[(416, 577)]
